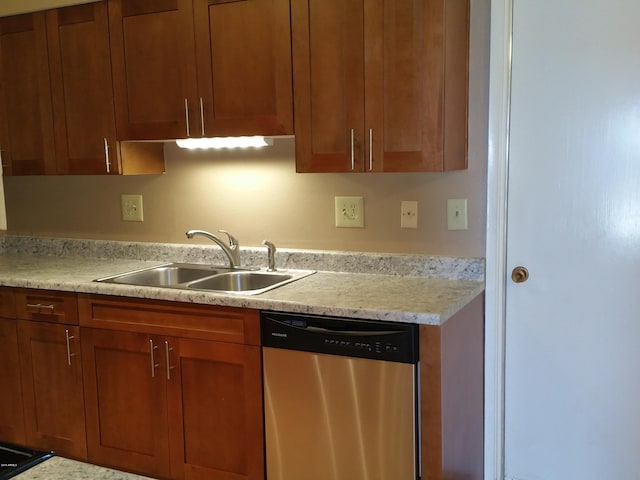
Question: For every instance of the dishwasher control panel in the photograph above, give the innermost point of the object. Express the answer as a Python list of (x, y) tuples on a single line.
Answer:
[(390, 341)]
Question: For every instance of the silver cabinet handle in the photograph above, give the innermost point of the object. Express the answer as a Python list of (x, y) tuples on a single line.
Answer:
[(168, 349), (353, 158), (202, 115), (39, 306), (69, 354), (370, 149), (106, 155), (186, 115), (154, 365)]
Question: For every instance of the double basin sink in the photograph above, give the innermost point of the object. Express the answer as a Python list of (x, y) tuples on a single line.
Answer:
[(188, 276)]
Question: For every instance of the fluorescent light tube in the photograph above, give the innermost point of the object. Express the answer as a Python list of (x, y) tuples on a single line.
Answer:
[(224, 142)]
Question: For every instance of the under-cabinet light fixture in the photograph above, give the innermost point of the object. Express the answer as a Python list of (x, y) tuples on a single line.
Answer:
[(224, 142)]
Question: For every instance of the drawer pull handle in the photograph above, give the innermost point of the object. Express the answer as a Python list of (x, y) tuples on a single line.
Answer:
[(39, 307), (69, 354), (154, 365), (168, 349)]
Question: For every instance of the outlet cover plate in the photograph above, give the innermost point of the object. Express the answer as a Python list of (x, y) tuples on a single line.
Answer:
[(131, 208), (349, 212), (408, 214)]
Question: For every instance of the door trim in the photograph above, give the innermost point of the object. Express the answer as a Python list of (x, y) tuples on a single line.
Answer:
[(496, 250)]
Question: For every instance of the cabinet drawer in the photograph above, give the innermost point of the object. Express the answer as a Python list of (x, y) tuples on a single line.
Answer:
[(7, 303), (46, 306), (208, 322)]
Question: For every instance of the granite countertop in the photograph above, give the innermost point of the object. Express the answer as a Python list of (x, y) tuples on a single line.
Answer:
[(413, 298), (60, 468)]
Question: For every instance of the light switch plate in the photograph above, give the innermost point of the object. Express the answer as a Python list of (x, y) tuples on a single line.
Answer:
[(457, 214), (349, 212), (131, 208)]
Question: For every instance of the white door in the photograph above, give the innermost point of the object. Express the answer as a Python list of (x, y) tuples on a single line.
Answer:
[(572, 352)]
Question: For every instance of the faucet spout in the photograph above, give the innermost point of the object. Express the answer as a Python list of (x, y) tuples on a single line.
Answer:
[(232, 250)]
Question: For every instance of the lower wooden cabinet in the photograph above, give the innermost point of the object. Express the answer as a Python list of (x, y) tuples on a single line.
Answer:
[(161, 401), (51, 374), (11, 410), (126, 407)]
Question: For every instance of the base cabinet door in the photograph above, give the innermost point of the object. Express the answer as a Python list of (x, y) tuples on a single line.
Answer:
[(173, 407), (215, 410), (50, 367), (11, 411), (125, 402)]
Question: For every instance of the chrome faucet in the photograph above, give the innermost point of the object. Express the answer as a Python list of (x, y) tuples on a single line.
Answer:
[(232, 251)]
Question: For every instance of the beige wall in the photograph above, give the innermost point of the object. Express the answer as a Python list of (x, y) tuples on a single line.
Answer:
[(258, 195), (12, 7)]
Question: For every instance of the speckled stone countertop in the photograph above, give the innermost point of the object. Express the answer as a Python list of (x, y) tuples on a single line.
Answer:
[(60, 468), (404, 288)]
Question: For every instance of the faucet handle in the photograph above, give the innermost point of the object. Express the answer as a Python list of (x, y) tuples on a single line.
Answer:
[(233, 241)]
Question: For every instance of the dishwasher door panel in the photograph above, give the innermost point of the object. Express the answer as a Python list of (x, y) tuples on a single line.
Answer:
[(330, 417)]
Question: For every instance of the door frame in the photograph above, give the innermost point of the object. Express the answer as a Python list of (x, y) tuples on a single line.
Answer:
[(496, 239)]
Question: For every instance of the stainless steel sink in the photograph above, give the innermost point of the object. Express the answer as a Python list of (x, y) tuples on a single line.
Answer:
[(190, 276), (164, 275), (245, 282)]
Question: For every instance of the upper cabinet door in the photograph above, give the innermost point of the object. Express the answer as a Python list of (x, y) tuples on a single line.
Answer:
[(416, 75), (194, 68), (328, 64), (388, 89), (154, 74), (244, 67), (82, 92), (26, 124)]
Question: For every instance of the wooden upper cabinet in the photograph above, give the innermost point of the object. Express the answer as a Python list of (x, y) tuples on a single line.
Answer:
[(153, 57), (193, 68), (369, 83), (82, 94), (244, 67), (26, 123), (328, 65)]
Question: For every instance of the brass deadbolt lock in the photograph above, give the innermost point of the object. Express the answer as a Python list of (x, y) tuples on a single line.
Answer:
[(520, 275)]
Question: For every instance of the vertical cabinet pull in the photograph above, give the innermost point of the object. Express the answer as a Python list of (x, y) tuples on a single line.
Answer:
[(69, 354), (202, 115), (154, 365), (106, 156), (370, 149), (186, 115), (168, 349), (353, 157)]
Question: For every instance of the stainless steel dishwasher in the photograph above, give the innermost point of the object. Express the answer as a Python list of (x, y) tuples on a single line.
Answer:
[(340, 398)]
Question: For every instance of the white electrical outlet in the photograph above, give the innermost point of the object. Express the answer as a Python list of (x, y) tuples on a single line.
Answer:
[(131, 208), (349, 212), (408, 214), (457, 214)]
